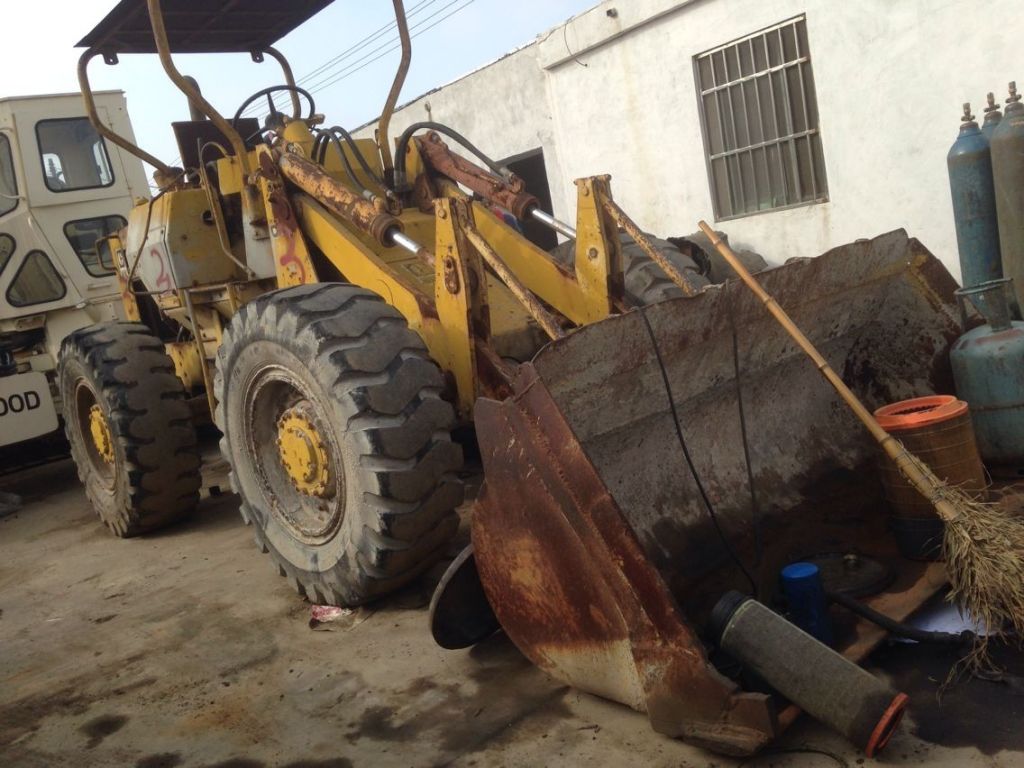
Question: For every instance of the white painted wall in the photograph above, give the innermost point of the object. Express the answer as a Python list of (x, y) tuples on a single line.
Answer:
[(890, 78)]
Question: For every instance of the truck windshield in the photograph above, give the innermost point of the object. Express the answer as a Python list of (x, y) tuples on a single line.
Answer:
[(73, 155), (8, 186)]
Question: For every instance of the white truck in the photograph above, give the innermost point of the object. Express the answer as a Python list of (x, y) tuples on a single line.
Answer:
[(62, 186)]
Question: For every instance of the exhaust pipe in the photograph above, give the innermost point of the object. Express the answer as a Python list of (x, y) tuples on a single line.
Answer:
[(827, 686)]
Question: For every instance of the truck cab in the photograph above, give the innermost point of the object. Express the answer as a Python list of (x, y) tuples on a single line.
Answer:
[(62, 187)]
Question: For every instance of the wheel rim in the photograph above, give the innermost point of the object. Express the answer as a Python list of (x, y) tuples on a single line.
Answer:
[(303, 481), (303, 452), (93, 428)]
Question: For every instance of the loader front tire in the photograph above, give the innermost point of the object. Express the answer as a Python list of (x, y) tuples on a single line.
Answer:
[(645, 282), (129, 426), (338, 440)]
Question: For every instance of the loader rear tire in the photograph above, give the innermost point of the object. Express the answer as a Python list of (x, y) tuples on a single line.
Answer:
[(646, 282), (116, 382), (372, 502)]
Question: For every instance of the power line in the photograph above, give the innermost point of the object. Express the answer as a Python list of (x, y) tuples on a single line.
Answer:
[(395, 44), (376, 53), (333, 62), (353, 69), (281, 99), (366, 40)]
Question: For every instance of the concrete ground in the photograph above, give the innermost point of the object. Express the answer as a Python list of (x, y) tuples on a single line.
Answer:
[(186, 649)]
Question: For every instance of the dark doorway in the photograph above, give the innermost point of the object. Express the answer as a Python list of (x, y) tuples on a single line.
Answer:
[(530, 167)]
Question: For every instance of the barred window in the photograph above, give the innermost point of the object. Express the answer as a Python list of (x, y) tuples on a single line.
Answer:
[(759, 117)]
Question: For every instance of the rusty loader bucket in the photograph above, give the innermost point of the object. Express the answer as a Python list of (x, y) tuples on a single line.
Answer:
[(595, 549)]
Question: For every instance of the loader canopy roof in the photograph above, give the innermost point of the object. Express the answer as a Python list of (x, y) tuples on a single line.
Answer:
[(215, 26)]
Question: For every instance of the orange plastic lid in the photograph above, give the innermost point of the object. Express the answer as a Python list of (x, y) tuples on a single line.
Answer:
[(919, 412)]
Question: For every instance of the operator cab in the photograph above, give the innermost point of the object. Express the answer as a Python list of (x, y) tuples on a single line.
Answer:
[(62, 189)]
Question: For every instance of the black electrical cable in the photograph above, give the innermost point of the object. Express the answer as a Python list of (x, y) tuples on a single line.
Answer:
[(689, 460), (403, 142), (755, 510), (899, 628)]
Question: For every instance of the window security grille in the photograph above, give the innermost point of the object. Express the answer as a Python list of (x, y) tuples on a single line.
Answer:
[(759, 116)]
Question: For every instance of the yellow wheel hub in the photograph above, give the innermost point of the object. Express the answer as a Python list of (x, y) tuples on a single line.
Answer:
[(304, 454), (100, 431)]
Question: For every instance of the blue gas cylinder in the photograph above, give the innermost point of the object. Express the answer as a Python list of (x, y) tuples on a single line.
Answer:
[(974, 204), (988, 368)]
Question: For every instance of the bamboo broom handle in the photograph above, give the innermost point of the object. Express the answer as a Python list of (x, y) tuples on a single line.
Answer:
[(925, 485)]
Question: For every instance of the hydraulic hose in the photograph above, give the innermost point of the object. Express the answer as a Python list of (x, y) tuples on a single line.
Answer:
[(896, 627), (334, 131), (403, 143), (320, 150)]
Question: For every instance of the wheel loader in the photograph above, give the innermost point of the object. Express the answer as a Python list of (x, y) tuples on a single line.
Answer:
[(61, 188), (337, 306)]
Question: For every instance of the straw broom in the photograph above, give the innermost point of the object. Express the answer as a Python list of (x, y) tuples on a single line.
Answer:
[(983, 546)]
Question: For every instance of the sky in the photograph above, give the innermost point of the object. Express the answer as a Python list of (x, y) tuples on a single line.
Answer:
[(451, 38)]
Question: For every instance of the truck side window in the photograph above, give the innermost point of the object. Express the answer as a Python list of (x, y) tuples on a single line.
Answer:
[(83, 234), (7, 246), (8, 186), (36, 282), (73, 155)]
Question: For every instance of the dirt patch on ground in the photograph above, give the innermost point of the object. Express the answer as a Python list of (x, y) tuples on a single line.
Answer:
[(972, 712)]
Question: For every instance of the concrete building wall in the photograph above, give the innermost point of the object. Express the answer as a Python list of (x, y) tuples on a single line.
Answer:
[(615, 93)]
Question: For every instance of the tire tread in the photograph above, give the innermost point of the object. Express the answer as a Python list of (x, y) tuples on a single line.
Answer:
[(379, 371), (149, 418)]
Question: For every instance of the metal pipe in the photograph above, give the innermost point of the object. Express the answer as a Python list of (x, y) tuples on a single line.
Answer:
[(103, 130), (552, 223), (396, 88), (544, 318), (194, 113), (402, 240), (217, 210), (790, 124), (197, 336), (648, 247), (289, 78), (156, 20)]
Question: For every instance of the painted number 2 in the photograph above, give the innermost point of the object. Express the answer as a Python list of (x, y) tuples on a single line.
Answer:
[(163, 280)]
